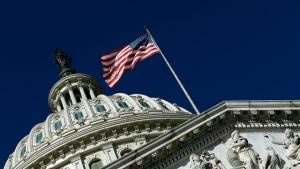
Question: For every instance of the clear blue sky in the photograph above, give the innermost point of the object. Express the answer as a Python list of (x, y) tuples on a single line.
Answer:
[(222, 50)]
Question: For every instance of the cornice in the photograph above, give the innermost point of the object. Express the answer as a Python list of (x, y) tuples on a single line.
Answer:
[(272, 115)]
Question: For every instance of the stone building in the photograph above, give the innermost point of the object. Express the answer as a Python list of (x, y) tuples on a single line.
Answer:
[(89, 130)]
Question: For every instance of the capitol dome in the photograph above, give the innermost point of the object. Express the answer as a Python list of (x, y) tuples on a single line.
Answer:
[(88, 130)]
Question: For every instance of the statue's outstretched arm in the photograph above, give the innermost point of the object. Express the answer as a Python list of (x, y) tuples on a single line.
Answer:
[(238, 144), (273, 140)]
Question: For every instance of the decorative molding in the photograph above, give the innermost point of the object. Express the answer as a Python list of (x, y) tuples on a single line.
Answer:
[(264, 115)]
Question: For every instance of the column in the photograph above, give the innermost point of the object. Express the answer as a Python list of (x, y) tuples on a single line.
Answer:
[(58, 108), (66, 114), (71, 93), (63, 101), (92, 92), (87, 106), (81, 91)]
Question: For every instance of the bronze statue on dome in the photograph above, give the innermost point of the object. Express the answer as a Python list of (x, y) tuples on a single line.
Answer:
[(63, 61)]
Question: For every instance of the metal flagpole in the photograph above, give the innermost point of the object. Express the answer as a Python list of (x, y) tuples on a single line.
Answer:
[(173, 72)]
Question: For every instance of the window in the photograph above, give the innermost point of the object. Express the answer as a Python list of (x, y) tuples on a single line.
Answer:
[(143, 103), (38, 137), (78, 115), (23, 151), (122, 104), (163, 105), (100, 108), (57, 125), (96, 164)]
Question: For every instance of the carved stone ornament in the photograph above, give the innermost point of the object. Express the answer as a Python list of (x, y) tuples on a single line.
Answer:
[(271, 160), (291, 144), (205, 161), (240, 154)]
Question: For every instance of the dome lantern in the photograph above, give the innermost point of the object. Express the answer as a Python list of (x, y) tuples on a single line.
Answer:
[(72, 87)]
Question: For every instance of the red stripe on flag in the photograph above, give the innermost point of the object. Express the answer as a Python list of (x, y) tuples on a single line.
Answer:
[(129, 57), (118, 62), (108, 73), (105, 56), (129, 65), (110, 61)]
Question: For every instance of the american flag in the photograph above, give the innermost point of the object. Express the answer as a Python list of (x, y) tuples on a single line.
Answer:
[(125, 58)]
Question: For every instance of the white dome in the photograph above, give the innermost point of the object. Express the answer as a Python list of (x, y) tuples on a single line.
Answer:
[(105, 114), (88, 129)]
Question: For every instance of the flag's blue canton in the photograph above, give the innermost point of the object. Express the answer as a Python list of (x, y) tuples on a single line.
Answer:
[(141, 41)]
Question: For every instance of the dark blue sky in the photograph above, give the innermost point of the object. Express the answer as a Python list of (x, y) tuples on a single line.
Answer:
[(222, 50)]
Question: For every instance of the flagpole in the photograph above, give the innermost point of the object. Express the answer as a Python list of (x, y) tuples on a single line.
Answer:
[(173, 72)]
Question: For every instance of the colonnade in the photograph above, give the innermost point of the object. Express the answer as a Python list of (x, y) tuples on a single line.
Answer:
[(62, 102)]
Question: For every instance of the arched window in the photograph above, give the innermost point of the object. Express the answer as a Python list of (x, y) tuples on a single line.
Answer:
[(100, 108), (122, 104), (96, 164), (38, 137), (23, 151), (143, 103), (78, 115), (57, 125)]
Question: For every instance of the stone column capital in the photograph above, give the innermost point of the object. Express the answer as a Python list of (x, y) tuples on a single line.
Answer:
[(82, 92), (80, 83), (59, 95), (68, 84)]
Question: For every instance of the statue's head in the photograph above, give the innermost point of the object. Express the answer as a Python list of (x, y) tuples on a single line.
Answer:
[(206, 153), (194, 157), (288, 132), (270, 148), (235, 135)]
